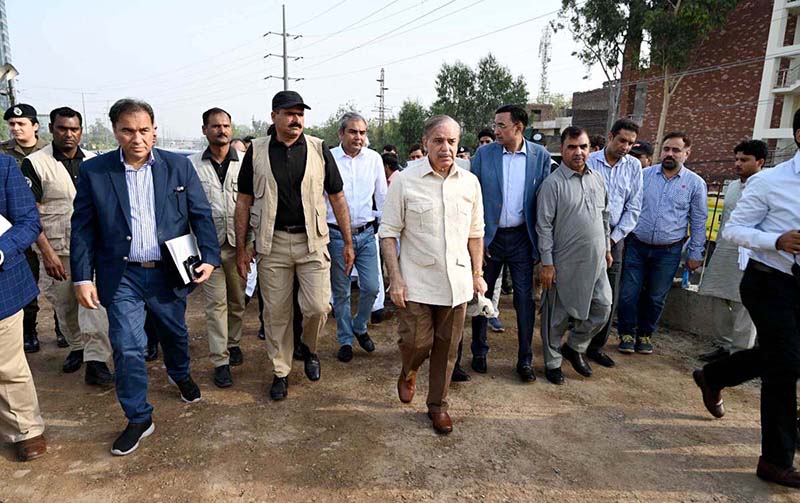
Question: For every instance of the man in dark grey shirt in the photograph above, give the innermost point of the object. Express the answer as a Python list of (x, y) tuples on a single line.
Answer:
[(573, 231)]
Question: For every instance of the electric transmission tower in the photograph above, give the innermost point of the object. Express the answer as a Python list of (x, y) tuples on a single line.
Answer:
[(381, 97), (545, 53)]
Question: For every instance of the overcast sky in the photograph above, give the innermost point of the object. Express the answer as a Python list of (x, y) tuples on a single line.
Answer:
[(185, 56)]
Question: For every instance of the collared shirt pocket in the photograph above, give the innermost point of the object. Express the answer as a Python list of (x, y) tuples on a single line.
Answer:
[(682, 198), (419, 215), (423, 259)]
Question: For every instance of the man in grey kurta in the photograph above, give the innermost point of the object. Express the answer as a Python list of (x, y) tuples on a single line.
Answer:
[(732, 326), (573, 230)]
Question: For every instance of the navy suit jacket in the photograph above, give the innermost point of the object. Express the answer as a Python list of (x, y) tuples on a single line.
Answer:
[(17, 286), (101, 221), (487, 165)]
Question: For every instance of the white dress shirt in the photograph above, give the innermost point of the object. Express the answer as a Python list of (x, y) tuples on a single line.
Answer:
[(513, 187), (363, 177), (769, 207)]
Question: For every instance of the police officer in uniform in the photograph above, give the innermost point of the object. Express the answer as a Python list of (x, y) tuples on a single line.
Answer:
[(23, 126)]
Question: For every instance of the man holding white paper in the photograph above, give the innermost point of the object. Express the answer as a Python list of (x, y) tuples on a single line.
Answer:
[(129, 202)]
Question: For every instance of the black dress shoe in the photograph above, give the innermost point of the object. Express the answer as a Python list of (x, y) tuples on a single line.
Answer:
[(600, 358), (261, 334), (577, 360), (279, 389), (222, 376), (61, 341), (190, 392), (714, 355), (98, 374), (555, 376), (459, 375), (479, 364), (152, 352), (73, 361), (712, 398), (235, 356), (345, 353), (300, 352), (525, 373), (312, 367), (788, 477), (365, 342), (128, 440), (30, 343), (376, 317)]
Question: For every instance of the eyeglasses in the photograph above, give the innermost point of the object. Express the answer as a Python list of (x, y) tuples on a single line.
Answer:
[(500, 126)]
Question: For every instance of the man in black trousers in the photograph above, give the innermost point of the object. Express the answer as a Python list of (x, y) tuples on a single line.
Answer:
[(767, 221)]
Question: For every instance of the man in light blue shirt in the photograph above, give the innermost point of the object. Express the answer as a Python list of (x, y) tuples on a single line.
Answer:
[(674, 199), (623, 177)]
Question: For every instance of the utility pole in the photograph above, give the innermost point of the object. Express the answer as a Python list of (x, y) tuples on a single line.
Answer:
[(85, 117), (381, 97), (285, 54)]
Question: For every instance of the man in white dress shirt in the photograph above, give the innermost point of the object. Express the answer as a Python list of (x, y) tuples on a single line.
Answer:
[(767, 221), (364, 188)]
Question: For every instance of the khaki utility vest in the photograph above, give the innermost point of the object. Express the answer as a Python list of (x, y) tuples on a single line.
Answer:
[(58, 193), (312, 193), (221, 196)]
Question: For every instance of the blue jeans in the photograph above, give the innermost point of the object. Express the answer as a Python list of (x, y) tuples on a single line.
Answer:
[(647, 274), (140, 288), (367, 265), (513, 248)]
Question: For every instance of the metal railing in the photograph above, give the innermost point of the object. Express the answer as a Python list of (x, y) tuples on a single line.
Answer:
[(787, 76)]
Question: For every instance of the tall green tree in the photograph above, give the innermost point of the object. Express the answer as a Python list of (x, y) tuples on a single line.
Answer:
[(410, 121)]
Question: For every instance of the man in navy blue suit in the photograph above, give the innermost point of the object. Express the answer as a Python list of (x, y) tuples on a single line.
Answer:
[(510, 172), (129, 203), (20, 420)]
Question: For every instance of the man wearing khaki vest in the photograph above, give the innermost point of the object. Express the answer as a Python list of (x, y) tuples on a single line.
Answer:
[(282, 187), (52, 174), (218, 169)]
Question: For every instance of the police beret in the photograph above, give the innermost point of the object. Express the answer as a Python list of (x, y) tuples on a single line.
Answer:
[(21, 110), (463, 150)]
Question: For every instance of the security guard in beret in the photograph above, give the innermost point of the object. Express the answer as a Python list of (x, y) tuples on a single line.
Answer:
[(23, 126)]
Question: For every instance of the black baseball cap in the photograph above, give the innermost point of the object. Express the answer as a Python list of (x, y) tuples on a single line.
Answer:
[(19, 111), (288, 99), (641, 148)]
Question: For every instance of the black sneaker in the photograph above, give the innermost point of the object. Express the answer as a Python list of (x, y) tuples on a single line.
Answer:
[(222, 376), (365, 342), (345, 353), (626, 344), (128, 440), (644, 345), (279, 389), (235, 355), (98, 374), (190, 393)]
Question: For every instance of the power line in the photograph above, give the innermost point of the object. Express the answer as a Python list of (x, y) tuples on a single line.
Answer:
[(349, 26), (319, 15)]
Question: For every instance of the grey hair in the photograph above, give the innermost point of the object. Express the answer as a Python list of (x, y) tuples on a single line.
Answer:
[(436, 121), (350, 116), (129, 106)]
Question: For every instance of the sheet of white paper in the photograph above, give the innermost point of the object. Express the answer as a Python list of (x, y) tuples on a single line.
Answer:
[(744, 257), (182, 248), (4, 225), (251, 279)]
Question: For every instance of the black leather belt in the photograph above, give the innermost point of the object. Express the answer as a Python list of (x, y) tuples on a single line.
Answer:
[(659, 247), (292, 229), (761, 267), (146, 265), (356, 230)]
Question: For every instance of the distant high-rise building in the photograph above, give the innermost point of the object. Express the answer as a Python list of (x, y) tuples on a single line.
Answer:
[(5, 49)]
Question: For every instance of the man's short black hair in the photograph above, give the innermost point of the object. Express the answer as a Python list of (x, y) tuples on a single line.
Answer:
[(486, 132), (518, 114), (596, 141), (415, 146), (796, 125), (389, 148), (129, 106), (678, 134), (390, 161), (65, 112), (214, 111), (626, 124), (572, 132), (756, 148)]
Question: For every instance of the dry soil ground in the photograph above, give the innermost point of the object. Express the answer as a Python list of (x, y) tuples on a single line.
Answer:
[(634, 433)]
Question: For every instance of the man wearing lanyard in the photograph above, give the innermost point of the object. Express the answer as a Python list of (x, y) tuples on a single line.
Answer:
[(767, 221), (674, 199), (362, 173), (623, 177)]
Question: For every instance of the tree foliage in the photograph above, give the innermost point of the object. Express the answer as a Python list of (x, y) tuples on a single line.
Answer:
[(99, 137)]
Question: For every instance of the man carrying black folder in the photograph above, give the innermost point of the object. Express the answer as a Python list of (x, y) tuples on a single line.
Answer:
[(129, 203)]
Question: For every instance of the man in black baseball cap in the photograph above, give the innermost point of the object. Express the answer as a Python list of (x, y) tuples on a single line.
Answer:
[(644, 152), (288, 99), (23, 126)]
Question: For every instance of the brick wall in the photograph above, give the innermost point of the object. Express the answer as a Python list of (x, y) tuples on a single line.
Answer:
[(717, 107)]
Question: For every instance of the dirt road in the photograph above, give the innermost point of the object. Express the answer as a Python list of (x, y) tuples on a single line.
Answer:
[(634, 433)]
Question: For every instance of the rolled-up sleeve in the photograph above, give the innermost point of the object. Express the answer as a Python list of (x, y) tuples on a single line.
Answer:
[(393, 217)]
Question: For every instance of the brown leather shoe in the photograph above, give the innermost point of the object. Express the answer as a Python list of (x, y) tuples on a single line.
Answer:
[(406, 386), (441, 422), (772, 473), (31, 448), (712, 398)]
